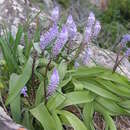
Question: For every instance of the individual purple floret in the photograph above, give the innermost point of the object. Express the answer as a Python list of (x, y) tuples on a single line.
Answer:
[(125, 39), (87, 34), (91, 19), (71, 26), (48, 36), (97, 28), (127, 53), (55, 14), (60, 42), (24, 91), (54, 81), (86, 56)]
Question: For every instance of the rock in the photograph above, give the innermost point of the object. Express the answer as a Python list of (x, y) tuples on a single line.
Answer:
[(6, 122), (103, 57), (15, 12)]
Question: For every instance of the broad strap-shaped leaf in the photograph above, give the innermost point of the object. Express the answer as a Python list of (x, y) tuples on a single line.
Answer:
[(57, 121), (8, 56), (62, 69), (101, 91), (42, 114), (15, 105), (28, 120), (111, 106), (39, 94), (125, 104), (74, 121), (88, 112), (86, 71), (21, 82), (78, 97), (118, 89), (55, 101), (18, 38)]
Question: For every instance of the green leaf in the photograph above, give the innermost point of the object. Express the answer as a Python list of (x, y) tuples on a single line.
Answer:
[(43, 116), (21, 82), (8, 56), (78, 97), (76, 123), (28, 45), (21, 56), (62, 69), (78, 85), (28, 120), (88, 112), (57, 121), (118, 89), (115, 77), (100, 91), (55, 101), (125, 104), (18, 38), (65, 81), (111, 106), (15, 109), (86, 71), (40, 94)]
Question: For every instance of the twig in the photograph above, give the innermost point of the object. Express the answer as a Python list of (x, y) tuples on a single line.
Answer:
[(33, 77), (1, 100), (47, 67)]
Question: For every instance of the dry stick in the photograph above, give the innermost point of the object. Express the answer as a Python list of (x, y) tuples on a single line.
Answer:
[(47, 67), (116, 62), (33, 77), (1, 100)]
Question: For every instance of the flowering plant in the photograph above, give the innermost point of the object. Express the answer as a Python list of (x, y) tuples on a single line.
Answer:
[(45, 79)]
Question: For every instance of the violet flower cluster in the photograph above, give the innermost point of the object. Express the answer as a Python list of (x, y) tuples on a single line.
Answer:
[(68, 32), (55, 14), (71, 26), (127, 53), (48, 36), (60, 42), (24, 91), (124, 41), (54, 81), (92, 29)]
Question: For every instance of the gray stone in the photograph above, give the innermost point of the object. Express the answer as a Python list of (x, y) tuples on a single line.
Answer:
[(6, 122)]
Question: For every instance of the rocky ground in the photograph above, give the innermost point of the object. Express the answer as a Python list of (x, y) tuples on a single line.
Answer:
[(14, 12)]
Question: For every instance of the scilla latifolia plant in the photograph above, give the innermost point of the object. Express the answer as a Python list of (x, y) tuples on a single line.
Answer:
[(44, 82)]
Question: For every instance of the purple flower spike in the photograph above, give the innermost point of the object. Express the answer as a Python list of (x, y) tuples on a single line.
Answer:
[(87, 56), (125, 39), (24, 91), (88, 34), (91, 19), (54, 81), (72, 29), (97, 29), (60, 42), (48, 37), (127, 53), (55, 14)]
